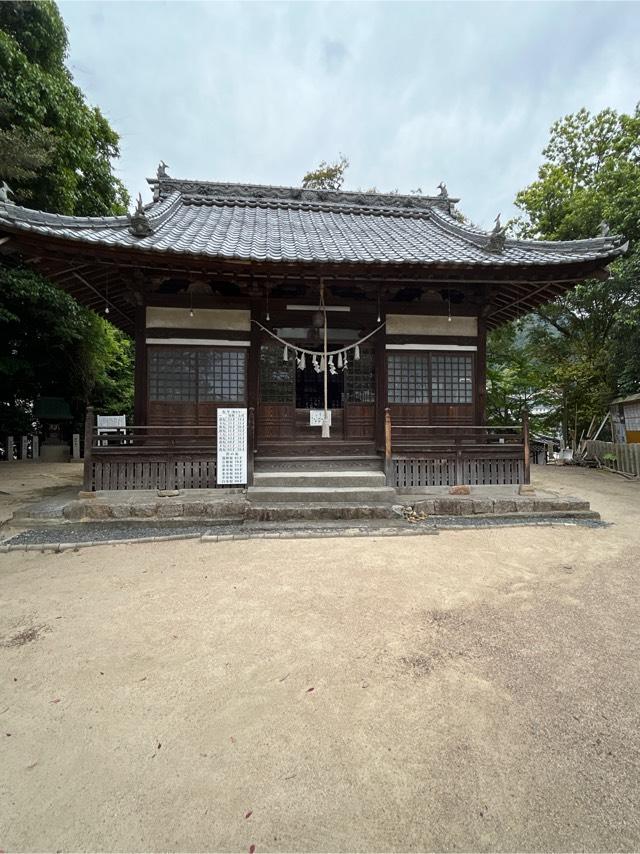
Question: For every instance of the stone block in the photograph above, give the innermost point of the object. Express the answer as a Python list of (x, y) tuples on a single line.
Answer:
[(482, 505), (460, 489), (504, 505), (169, 510), (74, 510), (195, 509), (428, 506), (121, 511), (144, 510), (95, 510), (524, 504), (84, 494), (450, 506), (526, 489)]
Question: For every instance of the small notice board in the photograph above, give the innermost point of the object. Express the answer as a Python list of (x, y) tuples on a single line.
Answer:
[(316, 416), (232, 446)]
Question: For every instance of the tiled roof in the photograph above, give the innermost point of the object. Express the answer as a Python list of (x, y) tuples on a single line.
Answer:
[(252, 222)]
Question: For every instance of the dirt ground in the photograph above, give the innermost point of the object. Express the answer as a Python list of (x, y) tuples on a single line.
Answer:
[(24, 482), (476, 690)]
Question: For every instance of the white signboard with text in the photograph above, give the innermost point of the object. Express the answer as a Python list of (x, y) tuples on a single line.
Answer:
[(232, 446), (316, 417)]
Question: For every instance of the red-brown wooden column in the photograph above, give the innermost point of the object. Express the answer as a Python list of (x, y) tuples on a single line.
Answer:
[(140, 370)]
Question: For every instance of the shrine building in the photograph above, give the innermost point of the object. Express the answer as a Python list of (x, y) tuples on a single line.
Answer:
[(335, 331)]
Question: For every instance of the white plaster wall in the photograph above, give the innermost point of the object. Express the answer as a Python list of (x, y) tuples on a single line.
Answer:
[(430, 324), (203, 318)]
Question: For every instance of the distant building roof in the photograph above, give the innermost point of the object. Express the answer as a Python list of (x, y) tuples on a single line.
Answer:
[(631, 398)]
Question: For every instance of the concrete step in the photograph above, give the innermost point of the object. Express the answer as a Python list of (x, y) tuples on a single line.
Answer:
[(366, 462), (315, 494), (328, 479), (316, 512)]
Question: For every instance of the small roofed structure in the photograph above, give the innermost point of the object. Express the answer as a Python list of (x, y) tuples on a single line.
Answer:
[(345, 324), (625, 418)]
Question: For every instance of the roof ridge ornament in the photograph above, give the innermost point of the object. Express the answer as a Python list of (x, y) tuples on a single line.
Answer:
[(161, 171), (5, 192), (139, 223), (497, 237), (604, 229), (444, 193)]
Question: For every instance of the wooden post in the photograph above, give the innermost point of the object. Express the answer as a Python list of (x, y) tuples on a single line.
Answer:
[(525, 443), (251, 444), (88, 445), (388, 460), (24, 445), (10, 448)]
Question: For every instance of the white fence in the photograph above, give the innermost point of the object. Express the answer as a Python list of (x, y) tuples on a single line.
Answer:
[(617, 456)]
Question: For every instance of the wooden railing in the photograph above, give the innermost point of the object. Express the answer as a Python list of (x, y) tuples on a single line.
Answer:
[(419, 455), (155, 456)]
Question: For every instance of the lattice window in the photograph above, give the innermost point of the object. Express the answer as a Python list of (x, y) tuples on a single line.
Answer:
[(451, 379), (221, 375), (183, 374), (276, 376), (359, 377), (408, 378), (172, 374)]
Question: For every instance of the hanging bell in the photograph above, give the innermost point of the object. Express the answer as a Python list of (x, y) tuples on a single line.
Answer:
[(356, 354)]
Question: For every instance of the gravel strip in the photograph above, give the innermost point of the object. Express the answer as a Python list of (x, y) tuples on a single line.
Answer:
[(106, 533)]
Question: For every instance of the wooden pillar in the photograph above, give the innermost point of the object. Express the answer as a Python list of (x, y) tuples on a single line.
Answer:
[(525, 443), (10, 448), (140, 371), (388, 451), (24, 447), (251, 444), (88, 447), (481, 372), (380, 341)]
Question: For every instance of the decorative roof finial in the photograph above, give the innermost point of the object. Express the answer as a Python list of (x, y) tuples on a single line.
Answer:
[(140, 225), (604, 229), (5, 192), (443, 190), (162, 170), (497, 237)]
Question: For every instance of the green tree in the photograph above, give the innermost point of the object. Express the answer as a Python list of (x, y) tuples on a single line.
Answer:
[(39, 102), (50, 345), (56, 154), (585, 340), (328, 176)]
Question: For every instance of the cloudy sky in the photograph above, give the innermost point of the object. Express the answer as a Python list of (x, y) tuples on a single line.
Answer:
[(412, 93)]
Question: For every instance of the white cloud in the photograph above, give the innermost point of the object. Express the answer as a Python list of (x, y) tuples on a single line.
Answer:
[(412, 93)]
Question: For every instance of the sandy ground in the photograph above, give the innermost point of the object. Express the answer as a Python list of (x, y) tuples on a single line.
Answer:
[(21, 483), (478, 690)]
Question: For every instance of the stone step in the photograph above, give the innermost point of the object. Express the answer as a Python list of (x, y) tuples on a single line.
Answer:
[(316, 512), (366, 462), (315, 494), (327, 479)]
